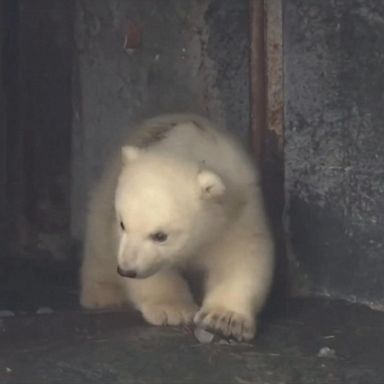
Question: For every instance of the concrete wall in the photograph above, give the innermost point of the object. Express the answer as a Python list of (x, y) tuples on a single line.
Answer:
[(193, 57), (3, 172), (334, 158)]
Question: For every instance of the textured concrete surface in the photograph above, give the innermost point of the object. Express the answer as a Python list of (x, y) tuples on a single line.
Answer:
[(3, 172), (334, 60), (193, 57), (306, 342)]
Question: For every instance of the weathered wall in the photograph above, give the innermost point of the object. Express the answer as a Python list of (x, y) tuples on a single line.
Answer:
[(193, 57), (334, 116), (3, 173)]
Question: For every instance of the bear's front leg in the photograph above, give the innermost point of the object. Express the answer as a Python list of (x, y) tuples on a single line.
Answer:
[(163, 299), (100, 286), (239, 277)]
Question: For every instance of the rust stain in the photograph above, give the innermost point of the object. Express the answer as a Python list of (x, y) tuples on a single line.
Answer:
[(266, 78), (258, 97), (274, 59), (133, 36)]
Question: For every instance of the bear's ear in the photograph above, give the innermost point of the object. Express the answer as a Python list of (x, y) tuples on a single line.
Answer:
[(129, 154), (211, 184)]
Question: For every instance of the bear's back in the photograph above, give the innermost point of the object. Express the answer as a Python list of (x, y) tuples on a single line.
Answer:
[(194, 138)]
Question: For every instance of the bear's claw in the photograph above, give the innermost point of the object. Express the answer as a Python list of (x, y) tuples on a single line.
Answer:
[(169, 313), (226, 323)]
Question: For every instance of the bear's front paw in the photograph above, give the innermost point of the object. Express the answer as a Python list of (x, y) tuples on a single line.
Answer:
[(169, 313), (226, 323)]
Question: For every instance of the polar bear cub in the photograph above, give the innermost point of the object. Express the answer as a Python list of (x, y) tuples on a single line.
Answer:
[(182, 194)]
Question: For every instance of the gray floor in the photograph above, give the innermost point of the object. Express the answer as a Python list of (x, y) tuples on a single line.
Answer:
[(305, 341)]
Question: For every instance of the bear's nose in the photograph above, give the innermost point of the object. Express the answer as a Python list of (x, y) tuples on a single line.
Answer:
[(126, 272)]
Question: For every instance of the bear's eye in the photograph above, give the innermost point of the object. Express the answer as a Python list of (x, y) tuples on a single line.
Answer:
[(159, 237), (122, 226)]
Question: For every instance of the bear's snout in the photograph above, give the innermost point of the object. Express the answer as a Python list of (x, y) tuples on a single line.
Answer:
[(126, 272)]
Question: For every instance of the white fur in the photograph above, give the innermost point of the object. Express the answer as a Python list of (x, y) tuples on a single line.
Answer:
[(179, 176)]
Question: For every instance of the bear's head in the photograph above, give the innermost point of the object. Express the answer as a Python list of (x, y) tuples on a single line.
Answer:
[(166, 210)]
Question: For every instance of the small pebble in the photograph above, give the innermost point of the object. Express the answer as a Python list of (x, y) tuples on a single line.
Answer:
[(8, 370), (6, 313), (327, 352), (203, 336), (44, 311)]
